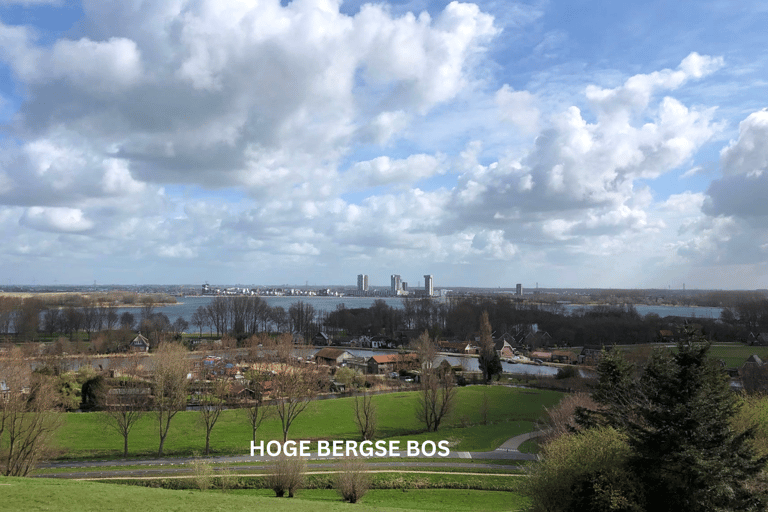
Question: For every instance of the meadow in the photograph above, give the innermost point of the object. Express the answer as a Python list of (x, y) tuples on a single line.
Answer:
[(511, 411), (76, 496)]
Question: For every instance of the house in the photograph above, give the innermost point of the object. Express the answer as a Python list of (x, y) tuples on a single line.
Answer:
[(457, 347), (388, 363), (139, 344), (332, 356), (503, 348), (359, 364), (590, 355), (666, 336), (563, 356), (321, 339), (759, 339), (537, 339), (540, 354)]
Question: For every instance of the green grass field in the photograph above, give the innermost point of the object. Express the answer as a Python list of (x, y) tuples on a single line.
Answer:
[(736, 354), (64, 495), (513, 411)]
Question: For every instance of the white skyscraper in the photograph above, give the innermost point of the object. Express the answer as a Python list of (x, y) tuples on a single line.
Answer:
[(428, 285)]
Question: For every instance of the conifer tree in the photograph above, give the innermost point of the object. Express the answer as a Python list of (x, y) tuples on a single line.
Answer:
[(685, 453)]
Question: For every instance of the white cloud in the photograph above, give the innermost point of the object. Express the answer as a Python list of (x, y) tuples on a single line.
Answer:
[(68, 220), (518, 107), (749, 153)]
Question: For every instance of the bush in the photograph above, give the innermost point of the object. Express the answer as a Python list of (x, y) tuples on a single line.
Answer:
[(203, 474), (567, 372), (286, 474), (353, 480), (585, 471)]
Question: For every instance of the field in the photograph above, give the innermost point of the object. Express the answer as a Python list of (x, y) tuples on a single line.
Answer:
[(735, 354), (64, 496), (512, 411)]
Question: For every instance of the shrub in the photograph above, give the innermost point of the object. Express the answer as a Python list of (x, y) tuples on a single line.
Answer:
[(567, 372), (585, 471), (353, 480), (561, 419), (203, 474), (286, 474)]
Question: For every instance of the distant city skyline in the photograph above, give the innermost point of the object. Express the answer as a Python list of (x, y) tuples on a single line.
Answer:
[(587, 145)]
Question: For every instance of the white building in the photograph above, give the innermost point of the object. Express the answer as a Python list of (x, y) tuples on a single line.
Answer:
[(428, 285)]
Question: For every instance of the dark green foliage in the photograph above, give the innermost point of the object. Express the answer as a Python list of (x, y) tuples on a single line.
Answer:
[(677, 418), (567, 372), (685, 452), (93, 393)]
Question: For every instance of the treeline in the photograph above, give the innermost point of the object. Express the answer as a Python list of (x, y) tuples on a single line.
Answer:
[(597, 325), (67, 313)]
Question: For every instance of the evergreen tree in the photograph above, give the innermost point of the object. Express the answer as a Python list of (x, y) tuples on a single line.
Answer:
[(685, 453), (488, 359)]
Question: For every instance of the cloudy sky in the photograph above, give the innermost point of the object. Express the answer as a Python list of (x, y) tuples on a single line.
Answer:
[(568, 143)]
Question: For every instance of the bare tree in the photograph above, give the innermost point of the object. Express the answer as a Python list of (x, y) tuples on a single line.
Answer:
[(293, 389), (28, 416), (211, 405), (200, 319), (365, 415), (437, 387), (170, 392), (124, 406)]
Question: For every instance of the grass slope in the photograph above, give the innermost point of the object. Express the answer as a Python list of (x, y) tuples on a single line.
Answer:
[(512, 411), (64, 496)]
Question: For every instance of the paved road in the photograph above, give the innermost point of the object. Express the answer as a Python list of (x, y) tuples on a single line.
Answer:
[(509, 450)]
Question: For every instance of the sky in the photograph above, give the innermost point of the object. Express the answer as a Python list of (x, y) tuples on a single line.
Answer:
[(561, 143)]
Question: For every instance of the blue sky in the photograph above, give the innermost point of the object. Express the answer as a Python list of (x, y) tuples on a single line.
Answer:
[(570, 144)]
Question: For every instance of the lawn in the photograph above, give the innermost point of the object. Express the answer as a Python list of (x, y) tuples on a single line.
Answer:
[(512, 411), (63, 495), (735, 355)]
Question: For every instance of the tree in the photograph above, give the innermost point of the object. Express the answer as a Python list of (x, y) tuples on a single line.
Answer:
[(127, 320), (27, 420), (293, 388), (257, 409), (200, 319), (170, 386), (437, 386), (124, 406), (685, 453), (365, 415), (211, 405), (488, 359), (301, 315), (677, 419)]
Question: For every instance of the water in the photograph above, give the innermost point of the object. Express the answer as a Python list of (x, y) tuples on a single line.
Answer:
[(662, 311), (186, 306)]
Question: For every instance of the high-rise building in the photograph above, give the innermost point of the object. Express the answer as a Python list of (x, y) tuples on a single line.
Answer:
[(519, 290), (428, 285), (395, 285), (362, 283)]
